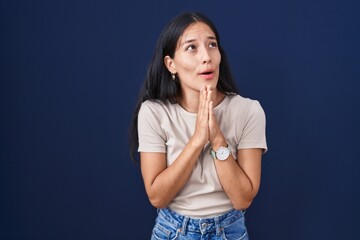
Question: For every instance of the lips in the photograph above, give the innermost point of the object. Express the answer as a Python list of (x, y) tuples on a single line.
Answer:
[(208, 74)]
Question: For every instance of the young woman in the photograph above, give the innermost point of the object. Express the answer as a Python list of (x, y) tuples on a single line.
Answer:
[(200, 142)]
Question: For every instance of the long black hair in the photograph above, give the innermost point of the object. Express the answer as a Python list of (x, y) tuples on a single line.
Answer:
[(158, 84)]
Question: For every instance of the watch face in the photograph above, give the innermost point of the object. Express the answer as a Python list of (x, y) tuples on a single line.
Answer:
[(222, 153)]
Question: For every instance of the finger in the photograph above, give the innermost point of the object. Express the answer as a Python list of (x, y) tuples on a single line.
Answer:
[(213, 124), (204, 100), (211, 107), (211, 114), (201, 101), (208, 88), (206, 109), (208, 96), (208, 113)]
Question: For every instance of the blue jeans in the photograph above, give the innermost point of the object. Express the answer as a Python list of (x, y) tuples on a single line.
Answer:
[(171, 225)]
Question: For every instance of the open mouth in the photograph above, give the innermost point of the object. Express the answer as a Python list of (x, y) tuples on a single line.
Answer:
[(209, 72), (206, 73)]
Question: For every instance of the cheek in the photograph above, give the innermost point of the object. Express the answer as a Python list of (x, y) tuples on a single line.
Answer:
[(218, 58), (187, 66)]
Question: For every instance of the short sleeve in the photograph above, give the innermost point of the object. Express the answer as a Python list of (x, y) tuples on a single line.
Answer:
[(152, 138), (253, 133)]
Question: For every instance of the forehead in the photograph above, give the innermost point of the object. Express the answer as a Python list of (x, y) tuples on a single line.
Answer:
[(195, 31)]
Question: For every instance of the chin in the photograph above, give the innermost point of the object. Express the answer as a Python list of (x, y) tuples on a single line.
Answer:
[(212, 84)]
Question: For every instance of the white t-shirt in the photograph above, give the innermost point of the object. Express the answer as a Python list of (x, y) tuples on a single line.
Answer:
[(168, 127)]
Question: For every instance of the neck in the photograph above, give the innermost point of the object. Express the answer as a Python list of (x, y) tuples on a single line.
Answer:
[(190, 102)]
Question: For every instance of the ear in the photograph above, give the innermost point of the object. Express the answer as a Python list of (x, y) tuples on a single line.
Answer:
[(170, 64)]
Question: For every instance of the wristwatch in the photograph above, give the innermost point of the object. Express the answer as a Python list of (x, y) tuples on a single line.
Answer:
[(221, 154)]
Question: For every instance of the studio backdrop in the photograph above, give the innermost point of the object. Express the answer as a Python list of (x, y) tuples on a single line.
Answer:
[(70, 73)]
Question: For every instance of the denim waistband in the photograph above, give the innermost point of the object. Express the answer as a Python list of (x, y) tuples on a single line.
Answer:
[(202, 225)]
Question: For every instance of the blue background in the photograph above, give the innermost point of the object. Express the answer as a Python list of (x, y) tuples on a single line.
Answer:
[(70, 73)]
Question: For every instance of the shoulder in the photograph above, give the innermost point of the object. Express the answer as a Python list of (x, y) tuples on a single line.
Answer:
[(152, 105), (244, 105), (156, 107), (245, 110)]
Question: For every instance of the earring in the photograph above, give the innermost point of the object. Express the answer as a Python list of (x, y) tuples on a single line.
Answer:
[(173, 76)]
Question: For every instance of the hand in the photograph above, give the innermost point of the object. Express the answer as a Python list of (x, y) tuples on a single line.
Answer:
[(207, 128), (216, 137), (202, 121)]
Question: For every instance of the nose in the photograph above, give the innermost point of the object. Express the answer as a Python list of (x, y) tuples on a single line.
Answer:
[(206, 58)]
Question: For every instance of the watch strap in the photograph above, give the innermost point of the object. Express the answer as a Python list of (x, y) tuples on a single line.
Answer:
[(213, 152)]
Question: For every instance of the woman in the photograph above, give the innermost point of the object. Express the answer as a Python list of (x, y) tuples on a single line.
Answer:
[(200, 142)]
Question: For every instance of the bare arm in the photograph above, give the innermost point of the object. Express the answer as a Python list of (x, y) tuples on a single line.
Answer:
[(162, 183), (240, 179)]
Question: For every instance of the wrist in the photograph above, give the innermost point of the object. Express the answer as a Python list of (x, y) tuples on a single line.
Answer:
[(222, 153), (196, 143), (217, 142)]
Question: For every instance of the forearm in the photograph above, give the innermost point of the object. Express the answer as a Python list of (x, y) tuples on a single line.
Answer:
[(171, 180), (239, 179), (235, 183)]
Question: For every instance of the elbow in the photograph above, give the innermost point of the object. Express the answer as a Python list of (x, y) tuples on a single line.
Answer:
[(243, 202), (158, 199), (158, 202), (241, 205)]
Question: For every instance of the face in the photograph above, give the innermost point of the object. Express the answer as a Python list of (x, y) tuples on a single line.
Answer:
[(197, 58)]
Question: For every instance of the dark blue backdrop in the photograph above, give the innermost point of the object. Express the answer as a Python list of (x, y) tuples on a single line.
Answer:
[(71, 70)]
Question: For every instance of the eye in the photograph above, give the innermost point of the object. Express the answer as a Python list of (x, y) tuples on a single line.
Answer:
[(191, 47), (213, 45)]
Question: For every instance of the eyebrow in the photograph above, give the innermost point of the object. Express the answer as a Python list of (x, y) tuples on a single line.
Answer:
[(193, 40)]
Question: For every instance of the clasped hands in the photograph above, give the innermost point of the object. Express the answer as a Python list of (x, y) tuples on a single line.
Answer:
[(207, 128)]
